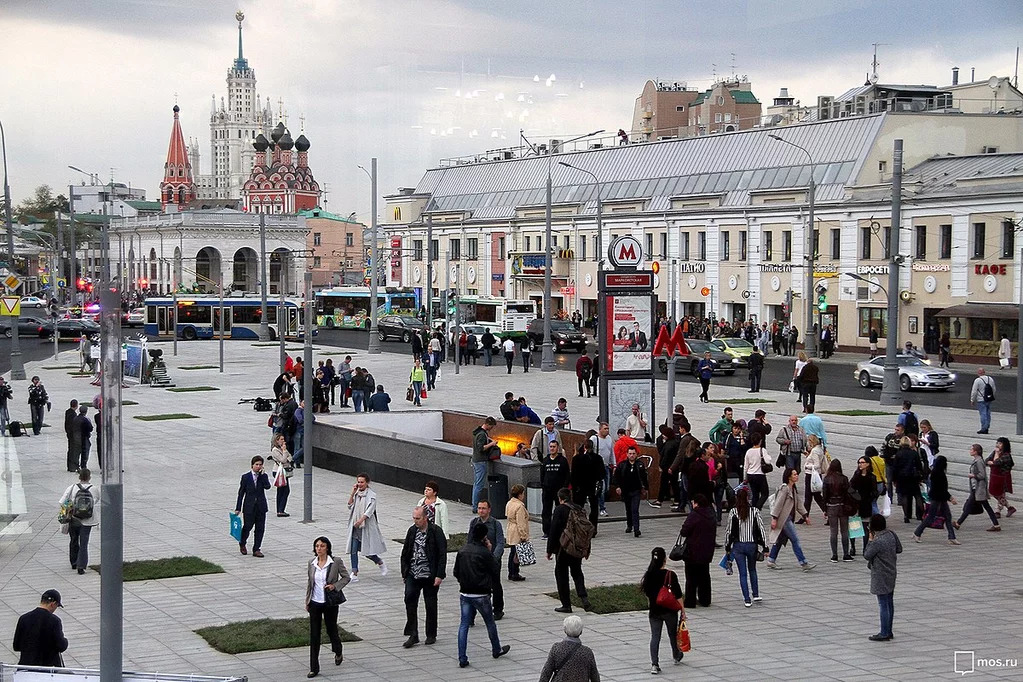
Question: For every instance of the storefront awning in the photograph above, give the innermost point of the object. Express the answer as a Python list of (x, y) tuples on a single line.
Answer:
[(991, 311)]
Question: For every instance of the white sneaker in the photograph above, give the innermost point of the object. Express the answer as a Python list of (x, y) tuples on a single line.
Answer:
[(383, 568), (655, 669), (354, 578), (603, 512)]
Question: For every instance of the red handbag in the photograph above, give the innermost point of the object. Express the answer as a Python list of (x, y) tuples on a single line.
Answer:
[(666, 599), (682, 637)]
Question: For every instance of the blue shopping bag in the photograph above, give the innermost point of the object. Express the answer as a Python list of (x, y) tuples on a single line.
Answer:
[(855, 527), (726, 563), (236, 527)]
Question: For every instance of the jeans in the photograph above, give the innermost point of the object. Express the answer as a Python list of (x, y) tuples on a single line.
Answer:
[(549, 497), (470, 606), (697, 588), (357, 397), (488, 357), (319, 615), (564, 564), (758, 488), (525, 361), (754, 380), (479, 479), (343, 388), (78, 549), (631, 500), (413, 588), (745, 556), (298, 442), (907, 493), (356, 548), (838, 522), (584, 382), (886, 603), (38, 410), (935, 510), (431, 377), (417, 392), (788, 532), (282, 497), (809, 395), (603, 488), (705, 384), (982, 407), (663, 620), (584, 497), (792, 460), (509, 359)]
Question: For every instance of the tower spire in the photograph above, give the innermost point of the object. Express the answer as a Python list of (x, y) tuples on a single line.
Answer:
[(178, 187), (241, 62)]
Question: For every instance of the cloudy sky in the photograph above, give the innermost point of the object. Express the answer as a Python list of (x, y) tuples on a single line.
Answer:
[(415, 81)]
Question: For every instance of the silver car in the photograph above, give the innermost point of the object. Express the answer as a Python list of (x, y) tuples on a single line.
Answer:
[(913, 373)]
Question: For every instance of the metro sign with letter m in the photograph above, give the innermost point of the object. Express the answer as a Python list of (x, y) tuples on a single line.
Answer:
[(625, 252)]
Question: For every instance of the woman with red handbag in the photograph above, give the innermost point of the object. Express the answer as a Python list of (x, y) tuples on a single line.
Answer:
[(662, 589)]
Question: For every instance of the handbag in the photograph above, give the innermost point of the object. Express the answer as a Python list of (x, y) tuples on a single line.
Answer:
[(792, 386), (884, 505), (236, 527), (682, 637), (855, 527), (680, 552), (410, 394), (525, 554), (270, 421), (280, 478), (64, 513), (765, 465), (422, 393), (760, 555), (334, 597), (666, 599), (816, 482)]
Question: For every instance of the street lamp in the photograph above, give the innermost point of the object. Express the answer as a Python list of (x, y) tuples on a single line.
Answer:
[(17, 365), (600, 211), (809, 334), (374, 342), (547, 363)]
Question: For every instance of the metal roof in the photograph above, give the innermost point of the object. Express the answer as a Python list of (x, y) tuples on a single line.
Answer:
[(943, 172), (737, 162)]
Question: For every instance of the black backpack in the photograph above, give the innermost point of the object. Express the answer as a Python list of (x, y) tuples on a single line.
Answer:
[(911, 425), (83, 504), (989, 392), (16, 429), (262, 405)]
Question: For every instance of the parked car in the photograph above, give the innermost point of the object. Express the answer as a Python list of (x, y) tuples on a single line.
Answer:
[(737, 349), (722, 362), (399, 326), (33, 302), (564, 335), (136, 317), (913, 373), (70, 329), (28, 325)]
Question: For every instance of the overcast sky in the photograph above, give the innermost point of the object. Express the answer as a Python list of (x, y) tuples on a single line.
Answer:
[(411, 82)]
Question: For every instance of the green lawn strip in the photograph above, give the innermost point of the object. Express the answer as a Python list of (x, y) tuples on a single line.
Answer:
[(455, 542), (266, 344), (173, 567), (80, 374), (192, 389), (162, 417), (857, 413), (263, 635), (612, 598), (75, 367), (199, 367), (88, 401), (743, 401)]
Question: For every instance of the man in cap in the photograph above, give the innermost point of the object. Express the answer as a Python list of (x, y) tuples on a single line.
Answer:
[(39, 635)]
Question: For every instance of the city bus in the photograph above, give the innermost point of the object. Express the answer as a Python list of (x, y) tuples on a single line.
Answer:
[(495, 313), (199, 317), (348, 307)]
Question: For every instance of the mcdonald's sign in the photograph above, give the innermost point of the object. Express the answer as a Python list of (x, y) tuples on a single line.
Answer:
[(671, 345)]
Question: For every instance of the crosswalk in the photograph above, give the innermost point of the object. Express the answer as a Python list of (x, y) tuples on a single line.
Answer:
[(12, 493)]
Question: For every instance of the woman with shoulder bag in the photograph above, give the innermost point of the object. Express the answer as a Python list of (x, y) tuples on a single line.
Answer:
[(746, 541), (836, 493), (1000, 478), (664, 612), (517, 532), (814, 464), (282, 458), (755, 469), (323, 595), (787, 505), (863, 484)]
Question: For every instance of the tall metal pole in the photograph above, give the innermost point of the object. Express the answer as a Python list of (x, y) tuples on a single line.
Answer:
[(1019, 350), (174, 334), (447, 303), (264, 327), (547, 351), (17, 365), (282, 318), (891, 393), (429, 273), (72, 278), (458, 333), (221, 330), (810, 335), (112, 492), (374, 341), (307, 411), (58, 291)]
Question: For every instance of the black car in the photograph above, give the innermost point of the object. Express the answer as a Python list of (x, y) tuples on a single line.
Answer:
[(564, 336), (28, 325), (70, 329), (399, 326), (723, 363)]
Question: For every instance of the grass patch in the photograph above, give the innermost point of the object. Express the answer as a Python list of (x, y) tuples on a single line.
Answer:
[(263, 634), (857, 413), (743, 401), (88, 401), (266, 344), (192, 389), (455, 542), (164, 417), (80, 374), (612, 598), (74, 367), (173, 567), (200, 367)]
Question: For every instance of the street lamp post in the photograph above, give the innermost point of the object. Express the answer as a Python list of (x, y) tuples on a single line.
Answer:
[(374, 341), (810, 335), (17, 365), (264, 327), (891, 392)]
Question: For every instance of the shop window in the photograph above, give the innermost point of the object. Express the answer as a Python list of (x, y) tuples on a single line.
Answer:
[(873, 318), (981, 329), (1008, 328)]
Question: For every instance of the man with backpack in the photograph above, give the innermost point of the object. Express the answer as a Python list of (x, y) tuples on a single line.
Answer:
[(981, 396), (81, 511), (908, 419), (569, 543)]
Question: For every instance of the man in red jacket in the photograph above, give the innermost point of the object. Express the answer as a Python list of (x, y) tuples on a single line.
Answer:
[(622, 446)]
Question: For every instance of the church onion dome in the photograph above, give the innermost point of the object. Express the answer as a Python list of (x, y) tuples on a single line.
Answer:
[(286, 142), (302, 143), (278, 132), (261, 144)]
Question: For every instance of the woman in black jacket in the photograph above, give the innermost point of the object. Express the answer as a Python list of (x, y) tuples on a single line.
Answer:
[(656, 577), (940, 499), (863, 489), (701, 529), (836, 494)]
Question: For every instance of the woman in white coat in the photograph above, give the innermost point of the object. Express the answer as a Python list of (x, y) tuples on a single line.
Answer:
[(364, 534), (436, 508)]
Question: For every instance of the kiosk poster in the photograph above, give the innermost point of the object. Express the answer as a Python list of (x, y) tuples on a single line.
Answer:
[(629, 326)]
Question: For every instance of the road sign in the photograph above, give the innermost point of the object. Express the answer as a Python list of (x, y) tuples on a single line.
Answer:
[(705, 291), (10, 306), (12, 282)]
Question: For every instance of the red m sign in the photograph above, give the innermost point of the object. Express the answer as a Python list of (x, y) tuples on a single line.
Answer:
[(672, 345), (627, 253)]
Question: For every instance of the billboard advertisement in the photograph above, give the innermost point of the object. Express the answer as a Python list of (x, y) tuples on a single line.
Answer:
[(629, 325)]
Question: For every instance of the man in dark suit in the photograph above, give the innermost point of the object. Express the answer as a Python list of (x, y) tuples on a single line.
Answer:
[(69, 431), (637, 339), (423, 567), (39, 635), (252, 505)]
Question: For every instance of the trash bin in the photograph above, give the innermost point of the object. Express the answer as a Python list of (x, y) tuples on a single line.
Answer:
[(498, 494), (534, 498)]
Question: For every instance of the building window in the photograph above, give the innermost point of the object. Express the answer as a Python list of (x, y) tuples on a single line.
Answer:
[(815, 244), (664, 245), (455, 249), (742, 245), (680, 108), (472, 248), (528, 243), (434, 249), (316, 239), (728, 118), (836, 244), (720, 100), (316, 261), (978, 239), (701, 245), (921, 242), (981, 329), (887, 243), (1008, 238), (717, 118), (786, 245), (945, 241), (500, 248), (568, 243), (685, 246), (865, 243), (649, 244), (769, 246), (873, 318), (582, 247), (417, 249), (349, 239), (726, 245)]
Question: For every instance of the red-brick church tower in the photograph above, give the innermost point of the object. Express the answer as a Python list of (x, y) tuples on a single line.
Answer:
[(279, 182), (178, 187)]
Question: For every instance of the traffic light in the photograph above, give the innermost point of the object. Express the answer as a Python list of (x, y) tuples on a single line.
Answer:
[(786, 307), (452, 296), (80, 284), (822, 299)]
